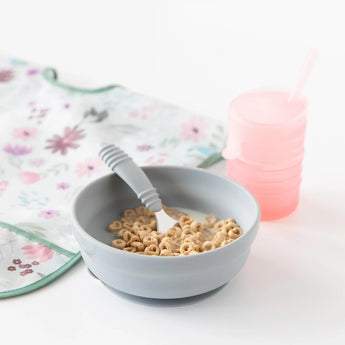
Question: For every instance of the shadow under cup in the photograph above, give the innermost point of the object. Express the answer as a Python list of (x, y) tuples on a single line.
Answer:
[(265, 148)]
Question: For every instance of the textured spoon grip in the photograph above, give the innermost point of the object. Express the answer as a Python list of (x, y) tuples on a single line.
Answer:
[(124, 166)]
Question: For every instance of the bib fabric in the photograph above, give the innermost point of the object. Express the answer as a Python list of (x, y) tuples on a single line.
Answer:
[(50, 134)]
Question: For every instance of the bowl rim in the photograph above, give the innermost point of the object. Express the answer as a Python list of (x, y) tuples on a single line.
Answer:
[(111, 250)]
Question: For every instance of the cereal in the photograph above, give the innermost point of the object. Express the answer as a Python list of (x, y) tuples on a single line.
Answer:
[(185, 220), (152, 223), (208, 245), (225, 242), (118, 243), (129, 214), (136, 233), (157, 235), (211, 220), (235, 233), (219, 225), (138, 224), (165, 245), (187, 231), (129, 249), (219, 237), (152, 249), (127, 235), (134, 238), (174, 232), (145, 227), (115, 226), (139, 246), (166, 252), (186, 248), (167, 240), (126, 220), (142, 234), (195, 226), (141, 210), (199, 236), (149, 239), (142, 220)]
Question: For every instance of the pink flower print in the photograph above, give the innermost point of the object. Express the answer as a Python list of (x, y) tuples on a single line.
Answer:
[(16, 261), (63, 185), (11, 268), (89, 167), (47, 214), (68, 140), (25, 133), (27, 177), (156, 160), (32, 71), (3, 186), (32, 103), (143, 112), (133, 113), (17, 150), (194, 129), (36, 162), (35, 263), (38, 251), (24, 273), (6, 75), (144, 147)]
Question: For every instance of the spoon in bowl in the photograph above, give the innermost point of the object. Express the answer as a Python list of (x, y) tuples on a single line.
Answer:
[(124, 166)]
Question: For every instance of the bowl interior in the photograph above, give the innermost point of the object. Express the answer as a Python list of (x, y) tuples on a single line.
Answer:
[(105, 199)]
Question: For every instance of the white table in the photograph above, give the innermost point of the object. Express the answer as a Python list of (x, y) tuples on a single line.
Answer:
[(292, 288)]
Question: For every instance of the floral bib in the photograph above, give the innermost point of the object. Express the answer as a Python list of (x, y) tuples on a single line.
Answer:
[(49, 137)]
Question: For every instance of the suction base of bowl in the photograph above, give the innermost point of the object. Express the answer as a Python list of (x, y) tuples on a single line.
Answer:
[(159, 302)]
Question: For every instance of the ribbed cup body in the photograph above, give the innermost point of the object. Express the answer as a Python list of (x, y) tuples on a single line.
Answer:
[(265, 148)]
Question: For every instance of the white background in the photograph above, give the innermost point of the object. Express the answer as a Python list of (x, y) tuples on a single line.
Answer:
[(199, 55)]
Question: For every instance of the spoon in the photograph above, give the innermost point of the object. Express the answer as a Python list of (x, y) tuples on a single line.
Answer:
[(124, 166)]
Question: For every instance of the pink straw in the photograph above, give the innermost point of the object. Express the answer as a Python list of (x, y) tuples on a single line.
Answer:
[(306, 69)]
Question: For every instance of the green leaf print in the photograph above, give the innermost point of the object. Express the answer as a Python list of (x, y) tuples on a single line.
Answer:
[(220, 128), (172, 142)]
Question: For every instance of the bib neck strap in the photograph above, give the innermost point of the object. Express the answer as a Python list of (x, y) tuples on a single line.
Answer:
[(51, 76)]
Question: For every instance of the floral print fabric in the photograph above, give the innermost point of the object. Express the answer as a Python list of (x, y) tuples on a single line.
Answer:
[(49, 142)]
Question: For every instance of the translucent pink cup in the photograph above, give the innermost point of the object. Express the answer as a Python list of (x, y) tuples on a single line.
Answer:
[(265, 148)]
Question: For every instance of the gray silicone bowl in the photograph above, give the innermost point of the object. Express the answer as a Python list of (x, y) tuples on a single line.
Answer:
[(104, 200)]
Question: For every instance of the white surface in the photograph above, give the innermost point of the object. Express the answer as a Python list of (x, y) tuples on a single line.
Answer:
[(199, 54)]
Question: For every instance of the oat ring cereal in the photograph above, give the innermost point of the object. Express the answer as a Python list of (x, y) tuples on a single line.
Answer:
[(195, 226), (208, 245), (115, 226), (141, 210), (139, 246), (150, 239), (185, 220), (166, 252), (211, 220), (136, 233), (118, 243), (129, 214), (174, 232), (152, 249)]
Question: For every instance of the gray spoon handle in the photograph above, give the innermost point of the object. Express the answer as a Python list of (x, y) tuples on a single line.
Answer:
[(124, 166)]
